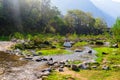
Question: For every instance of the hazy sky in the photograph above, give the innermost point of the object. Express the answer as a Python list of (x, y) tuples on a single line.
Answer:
[(111, 7)]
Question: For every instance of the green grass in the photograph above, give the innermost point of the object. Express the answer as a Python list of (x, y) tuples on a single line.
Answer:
[(53, 52), (113, 54), (107, 50), (100, 74), (57, 76), (87, 74), (79, 44)]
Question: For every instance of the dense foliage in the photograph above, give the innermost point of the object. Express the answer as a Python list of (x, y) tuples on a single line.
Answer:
[(116, 30), (39, 16)]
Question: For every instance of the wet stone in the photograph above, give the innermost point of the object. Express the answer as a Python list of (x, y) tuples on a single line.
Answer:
[(60, 69), (38, 60)]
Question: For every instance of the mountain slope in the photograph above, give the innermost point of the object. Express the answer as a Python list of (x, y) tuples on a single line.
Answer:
[(84, 5)]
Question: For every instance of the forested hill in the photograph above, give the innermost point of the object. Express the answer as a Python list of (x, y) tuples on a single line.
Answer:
[(84, 5), (38, 16)]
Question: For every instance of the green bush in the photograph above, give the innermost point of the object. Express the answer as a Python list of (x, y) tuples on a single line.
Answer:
[(116, 30), (18, 35)]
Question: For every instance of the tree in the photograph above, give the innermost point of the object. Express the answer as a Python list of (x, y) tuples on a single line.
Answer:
[(26, 16), (116, 30), (39, 16), (79, 21)]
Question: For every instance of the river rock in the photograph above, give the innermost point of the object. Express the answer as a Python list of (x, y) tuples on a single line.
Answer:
[(90, 51), (2, 70), (74, 67), (83, 66), (62, 62), (78, 50), (62, 66), (94, 67), (46, 73), (44, 59), (56, 65), (51, 59), (50, 63), (115, 45), (60, 69), (104, 67), (67, 44), (67, 65), (38, 60)]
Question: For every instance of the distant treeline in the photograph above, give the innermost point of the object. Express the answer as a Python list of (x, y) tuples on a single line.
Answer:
[(39, 16)]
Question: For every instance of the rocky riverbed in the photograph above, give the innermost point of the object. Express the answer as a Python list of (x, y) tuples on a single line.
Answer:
[(38, 66)]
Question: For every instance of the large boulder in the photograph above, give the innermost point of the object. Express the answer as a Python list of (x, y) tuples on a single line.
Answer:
[(67, 44)]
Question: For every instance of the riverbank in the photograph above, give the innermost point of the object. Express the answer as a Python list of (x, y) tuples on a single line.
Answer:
[(5, 45), (40, 67)]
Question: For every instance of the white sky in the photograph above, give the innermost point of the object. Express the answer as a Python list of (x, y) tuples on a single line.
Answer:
[(116, 0)]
